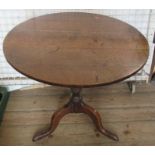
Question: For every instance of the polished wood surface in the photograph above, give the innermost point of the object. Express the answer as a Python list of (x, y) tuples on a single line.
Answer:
[(76, 49)]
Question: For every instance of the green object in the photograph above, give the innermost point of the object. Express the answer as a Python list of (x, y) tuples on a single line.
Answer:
[(4, 95)]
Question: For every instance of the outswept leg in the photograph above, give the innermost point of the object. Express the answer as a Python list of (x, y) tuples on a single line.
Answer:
[(57, 116), (95, 116)]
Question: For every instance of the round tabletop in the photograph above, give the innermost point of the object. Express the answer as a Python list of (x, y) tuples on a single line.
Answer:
[(76, 49)]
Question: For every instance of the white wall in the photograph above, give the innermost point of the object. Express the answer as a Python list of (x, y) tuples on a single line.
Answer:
[(143, 20)]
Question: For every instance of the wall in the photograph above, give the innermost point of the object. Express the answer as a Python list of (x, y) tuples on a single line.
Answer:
[(143, 20)]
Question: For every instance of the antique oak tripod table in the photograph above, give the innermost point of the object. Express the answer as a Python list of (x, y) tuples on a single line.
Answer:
[(76, 50)]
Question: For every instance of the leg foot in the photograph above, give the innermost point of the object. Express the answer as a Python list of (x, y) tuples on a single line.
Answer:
[(57, 116), (95, 116)]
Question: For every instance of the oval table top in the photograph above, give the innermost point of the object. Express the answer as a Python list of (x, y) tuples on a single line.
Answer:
[(76, 49)]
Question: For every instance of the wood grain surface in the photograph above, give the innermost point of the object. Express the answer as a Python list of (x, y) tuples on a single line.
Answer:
[(76, 49), (130, 116)]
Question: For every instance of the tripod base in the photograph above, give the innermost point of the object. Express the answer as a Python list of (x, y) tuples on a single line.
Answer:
[(75, 105)]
